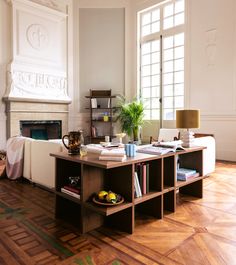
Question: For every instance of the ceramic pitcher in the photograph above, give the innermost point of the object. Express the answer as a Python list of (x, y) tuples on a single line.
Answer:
[(75, 139)]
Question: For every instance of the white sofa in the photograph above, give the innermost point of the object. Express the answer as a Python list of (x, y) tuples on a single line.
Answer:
[(39, 166)]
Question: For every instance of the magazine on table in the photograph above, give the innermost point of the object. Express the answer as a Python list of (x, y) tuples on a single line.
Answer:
[(161, 148)]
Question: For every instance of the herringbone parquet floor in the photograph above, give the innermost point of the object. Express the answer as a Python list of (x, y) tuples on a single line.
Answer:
[(201, 231)]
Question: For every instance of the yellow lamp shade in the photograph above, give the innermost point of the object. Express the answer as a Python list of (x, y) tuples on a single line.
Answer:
[(187, 119)]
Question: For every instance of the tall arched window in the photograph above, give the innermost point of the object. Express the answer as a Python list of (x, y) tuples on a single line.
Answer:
[(161, 59)]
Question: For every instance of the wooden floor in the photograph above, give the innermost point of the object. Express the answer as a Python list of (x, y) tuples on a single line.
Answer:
[(201, 231)]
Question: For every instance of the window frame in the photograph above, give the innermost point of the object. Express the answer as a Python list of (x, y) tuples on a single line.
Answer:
[(163, 33)]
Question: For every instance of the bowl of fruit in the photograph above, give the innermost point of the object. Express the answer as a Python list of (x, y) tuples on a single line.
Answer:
[(107, 198)]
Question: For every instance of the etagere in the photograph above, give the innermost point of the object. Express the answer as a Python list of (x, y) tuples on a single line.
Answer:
[(101, 114), (119, 177)]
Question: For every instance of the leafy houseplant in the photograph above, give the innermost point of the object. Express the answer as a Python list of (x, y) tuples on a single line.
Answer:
[(131, 116)]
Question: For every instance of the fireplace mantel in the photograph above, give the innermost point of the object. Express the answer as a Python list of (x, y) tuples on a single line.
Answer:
[(19, 109)]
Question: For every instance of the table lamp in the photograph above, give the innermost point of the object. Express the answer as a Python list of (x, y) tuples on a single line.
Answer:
[(187, 119)]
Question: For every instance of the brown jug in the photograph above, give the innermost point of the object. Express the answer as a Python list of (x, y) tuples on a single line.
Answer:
[(75, 139)]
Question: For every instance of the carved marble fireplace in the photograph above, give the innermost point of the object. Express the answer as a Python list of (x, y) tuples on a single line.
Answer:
[(37, 75)]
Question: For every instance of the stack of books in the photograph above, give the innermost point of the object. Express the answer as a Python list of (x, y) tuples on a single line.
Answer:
[(186, 173), (113, 155), (72, 191)]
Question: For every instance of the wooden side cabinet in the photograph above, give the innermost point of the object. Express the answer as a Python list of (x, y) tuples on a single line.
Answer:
[(98, 175)]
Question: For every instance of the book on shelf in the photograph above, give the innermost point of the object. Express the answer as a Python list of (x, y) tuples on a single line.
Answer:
[(73, 194), (137, 188), (72, 189), (185, 172), (142, 171), (94, 103), (147, 178), (184, 178)]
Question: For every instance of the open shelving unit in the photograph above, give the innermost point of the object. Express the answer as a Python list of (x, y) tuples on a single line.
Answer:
[(103, 98), (119, 177)]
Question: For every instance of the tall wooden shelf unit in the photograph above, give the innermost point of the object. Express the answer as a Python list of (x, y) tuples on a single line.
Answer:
[(119, 177), (99, 122)]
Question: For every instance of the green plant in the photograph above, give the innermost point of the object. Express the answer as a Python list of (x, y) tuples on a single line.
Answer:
[(130, 115)]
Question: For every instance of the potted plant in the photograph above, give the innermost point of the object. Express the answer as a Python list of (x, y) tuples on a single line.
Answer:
[(130, 115)]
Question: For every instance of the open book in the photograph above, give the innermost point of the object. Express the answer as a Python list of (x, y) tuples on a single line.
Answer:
[(160, 149)]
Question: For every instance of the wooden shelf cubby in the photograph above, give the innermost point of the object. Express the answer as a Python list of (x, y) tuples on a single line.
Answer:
[(119, 177)]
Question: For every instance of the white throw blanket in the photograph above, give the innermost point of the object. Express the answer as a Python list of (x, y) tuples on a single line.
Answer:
[(15, 157)]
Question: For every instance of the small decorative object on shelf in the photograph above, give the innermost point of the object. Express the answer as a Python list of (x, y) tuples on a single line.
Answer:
[(108, 198), (73, 187)]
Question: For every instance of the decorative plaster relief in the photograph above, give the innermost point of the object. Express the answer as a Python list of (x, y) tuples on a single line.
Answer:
[(37, 36), (211, 47), (48, 3), (37, 85)]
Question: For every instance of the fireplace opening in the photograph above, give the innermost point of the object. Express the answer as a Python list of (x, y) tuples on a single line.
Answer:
[(41, 129), (39, 134)]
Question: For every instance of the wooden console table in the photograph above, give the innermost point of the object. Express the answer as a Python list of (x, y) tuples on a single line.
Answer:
[(119, 177)]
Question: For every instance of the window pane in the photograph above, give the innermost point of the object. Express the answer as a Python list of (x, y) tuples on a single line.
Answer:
[(155, 69), (179, 77), (169, 54), (179, 89), (156, 91), (179, 6), (168, 90), (168, 22), (156, 57), (179, 52), (146, 59), (179, 64), (146, 81), (146, 30), (146, 70), (179, 19), (146, 48), (168, 114), (147, 114), (146, 92), (156, 46), (156, 27), (179, 39), (155, 114), (179, 102), (148, 104), (146, 19), (168, 102), (168, 79), (168, 10), (156, 15), (168, 42), (155, 80), (168, 66), (155, 103)]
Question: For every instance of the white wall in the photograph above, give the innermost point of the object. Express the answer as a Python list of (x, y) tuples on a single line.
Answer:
[(102, 51), (5, 55), (105, 59), (212, 86)]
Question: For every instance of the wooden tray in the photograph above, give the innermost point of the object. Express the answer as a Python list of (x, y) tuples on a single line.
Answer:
[(95, 200)]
